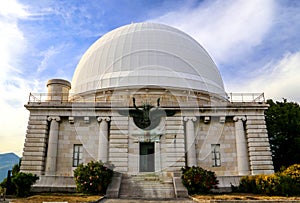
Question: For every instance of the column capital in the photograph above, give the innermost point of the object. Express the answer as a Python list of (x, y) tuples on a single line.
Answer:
[(187, 118), (99, 119), (237, 118), (54, 118)]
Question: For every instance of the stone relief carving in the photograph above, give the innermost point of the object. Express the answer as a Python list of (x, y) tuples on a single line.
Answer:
[(147, 116)]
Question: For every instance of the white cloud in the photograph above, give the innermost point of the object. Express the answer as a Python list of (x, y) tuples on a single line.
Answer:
[(12, 85), (12, 9), (12, 44), (233, 30), (46, 57), (279, 79), (227, 29)]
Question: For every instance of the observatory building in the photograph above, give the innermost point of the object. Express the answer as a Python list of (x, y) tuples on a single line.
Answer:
[(148, 99)]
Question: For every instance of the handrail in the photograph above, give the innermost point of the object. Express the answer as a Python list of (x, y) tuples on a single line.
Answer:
[(33, 98), (65, 97), (246, 97)]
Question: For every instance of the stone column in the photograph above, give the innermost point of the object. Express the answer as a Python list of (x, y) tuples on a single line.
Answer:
[(241, 146), (190, 141), (103, 139), (52, 145)]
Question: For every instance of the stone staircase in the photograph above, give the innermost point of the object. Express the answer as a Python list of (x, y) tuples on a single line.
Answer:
[(147, 186)]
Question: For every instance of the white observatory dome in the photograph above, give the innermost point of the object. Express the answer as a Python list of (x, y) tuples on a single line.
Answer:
[(145, 55)]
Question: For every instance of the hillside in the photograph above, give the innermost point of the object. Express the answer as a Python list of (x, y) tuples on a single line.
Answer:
[(7, 161)]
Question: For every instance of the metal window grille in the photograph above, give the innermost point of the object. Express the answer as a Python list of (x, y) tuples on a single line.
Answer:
[(77, 155), (216, 155)]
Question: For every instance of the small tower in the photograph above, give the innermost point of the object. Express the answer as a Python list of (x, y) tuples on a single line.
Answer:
[(58, 90)]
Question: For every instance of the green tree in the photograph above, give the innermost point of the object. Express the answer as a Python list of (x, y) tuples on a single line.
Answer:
[(283, 124), (16, 168)]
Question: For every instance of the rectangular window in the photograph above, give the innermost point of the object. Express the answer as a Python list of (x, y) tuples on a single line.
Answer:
[(216, 155), (77, 154)]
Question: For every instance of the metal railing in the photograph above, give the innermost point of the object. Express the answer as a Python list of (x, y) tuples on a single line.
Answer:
[(65, 97), (45, 97), (246, 97)]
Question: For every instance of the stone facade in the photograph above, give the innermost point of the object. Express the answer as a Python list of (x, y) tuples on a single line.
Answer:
[(228, 138)]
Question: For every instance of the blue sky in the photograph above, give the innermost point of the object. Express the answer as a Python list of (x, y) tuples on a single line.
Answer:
[(255, 44)]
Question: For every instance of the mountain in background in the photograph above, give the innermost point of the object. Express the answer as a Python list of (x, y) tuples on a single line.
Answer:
[(7, 161)]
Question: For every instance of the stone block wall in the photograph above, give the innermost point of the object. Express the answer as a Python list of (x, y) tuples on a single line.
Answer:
[(66, 140), (86, 132), (118, 143), (79, 132), (216, 132), (33, 160), (173, 144), (258, 145), (168, 139), (211, 127)]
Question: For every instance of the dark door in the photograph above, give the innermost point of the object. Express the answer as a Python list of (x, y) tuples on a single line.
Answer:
[(146, 157)]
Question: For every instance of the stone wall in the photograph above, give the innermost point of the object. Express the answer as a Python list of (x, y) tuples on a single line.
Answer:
[(258, 145), (35, 146), (78, 123), (173, 144), (82, 131), (118, 143), (211, 132)]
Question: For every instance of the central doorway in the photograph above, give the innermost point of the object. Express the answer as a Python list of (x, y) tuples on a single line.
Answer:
[(146, 156)]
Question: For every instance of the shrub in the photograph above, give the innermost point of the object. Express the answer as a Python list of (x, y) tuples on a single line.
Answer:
[(23, 183), (286, 186), (6, 183), (247, 184), (294, 172), (198, 180), (285, 183), (92, 178)]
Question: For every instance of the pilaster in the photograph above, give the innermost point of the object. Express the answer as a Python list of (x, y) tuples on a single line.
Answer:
[(103, 139), (52, 145), (190, 141), (241, 146)]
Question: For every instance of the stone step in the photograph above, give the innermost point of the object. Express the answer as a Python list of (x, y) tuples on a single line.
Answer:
[(149, 195), (148, 186), (145, 181)]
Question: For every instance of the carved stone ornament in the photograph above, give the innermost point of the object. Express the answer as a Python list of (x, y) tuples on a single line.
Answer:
[(147, 117), (237, 118), (99, 119), (55, 118)]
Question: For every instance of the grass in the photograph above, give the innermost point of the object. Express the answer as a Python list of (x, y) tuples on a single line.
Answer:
[(241, 196), (58, 197), (76, 198)]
